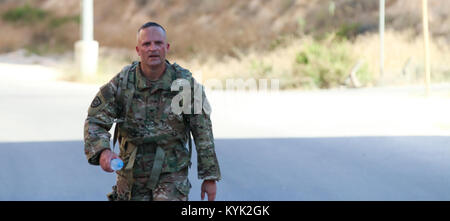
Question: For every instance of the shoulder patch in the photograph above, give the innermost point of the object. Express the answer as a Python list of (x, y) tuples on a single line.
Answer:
[(96, 102)]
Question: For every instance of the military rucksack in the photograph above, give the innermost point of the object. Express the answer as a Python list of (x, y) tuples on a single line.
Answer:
[(126, 88)]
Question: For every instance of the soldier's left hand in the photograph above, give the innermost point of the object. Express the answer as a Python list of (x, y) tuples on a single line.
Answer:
[(209, 187)]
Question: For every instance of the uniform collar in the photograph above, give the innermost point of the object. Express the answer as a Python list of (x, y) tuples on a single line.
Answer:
[(164, 82)]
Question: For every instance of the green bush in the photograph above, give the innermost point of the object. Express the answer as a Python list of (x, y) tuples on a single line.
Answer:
[(29, 15), (325, 64), (348, 31), (26, 14), (56, 22)]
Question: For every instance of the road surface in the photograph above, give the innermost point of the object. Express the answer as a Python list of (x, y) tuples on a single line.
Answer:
[(364, 144)]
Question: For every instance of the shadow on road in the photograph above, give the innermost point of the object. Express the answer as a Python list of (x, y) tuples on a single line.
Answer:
[(344, 168)]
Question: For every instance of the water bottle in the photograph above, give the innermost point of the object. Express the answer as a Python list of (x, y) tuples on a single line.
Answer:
[(116, 164)]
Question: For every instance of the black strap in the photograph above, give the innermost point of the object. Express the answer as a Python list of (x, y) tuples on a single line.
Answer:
[(188, 134), (115, 137)]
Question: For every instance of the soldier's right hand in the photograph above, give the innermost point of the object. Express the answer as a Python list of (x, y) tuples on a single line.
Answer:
[(105, 160)]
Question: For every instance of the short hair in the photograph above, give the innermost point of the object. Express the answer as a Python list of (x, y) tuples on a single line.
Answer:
[(151, 24)]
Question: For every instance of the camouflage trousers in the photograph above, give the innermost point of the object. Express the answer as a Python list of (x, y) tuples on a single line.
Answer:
[(171, 187)]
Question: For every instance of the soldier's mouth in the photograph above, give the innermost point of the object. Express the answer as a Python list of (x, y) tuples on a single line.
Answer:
[(154, 56)]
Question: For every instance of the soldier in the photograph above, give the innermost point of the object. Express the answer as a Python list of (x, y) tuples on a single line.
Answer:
[(152, 137)]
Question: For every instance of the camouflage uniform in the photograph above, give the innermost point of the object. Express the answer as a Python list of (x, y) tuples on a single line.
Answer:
[(152, 139)]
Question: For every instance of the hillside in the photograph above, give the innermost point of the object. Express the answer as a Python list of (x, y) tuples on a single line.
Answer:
[(306, 44), (219, 27)]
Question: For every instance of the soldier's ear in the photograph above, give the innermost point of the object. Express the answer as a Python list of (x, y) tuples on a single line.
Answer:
[(137, 50), (168, 46)]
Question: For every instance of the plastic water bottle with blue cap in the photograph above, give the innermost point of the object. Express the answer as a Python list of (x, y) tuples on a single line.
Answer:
[(116, 164)]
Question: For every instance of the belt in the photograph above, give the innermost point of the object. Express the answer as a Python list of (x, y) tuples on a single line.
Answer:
[(148, 139)]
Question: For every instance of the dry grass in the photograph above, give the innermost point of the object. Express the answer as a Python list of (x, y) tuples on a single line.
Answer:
[(254, 64), (404, 60), (17, 37), (403, 65), (404, 57)]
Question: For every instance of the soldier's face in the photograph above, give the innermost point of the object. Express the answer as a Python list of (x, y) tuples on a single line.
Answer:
[(152, 46)]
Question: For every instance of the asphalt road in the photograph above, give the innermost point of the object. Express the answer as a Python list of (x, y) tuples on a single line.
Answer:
[(347, 168), (365, 144)]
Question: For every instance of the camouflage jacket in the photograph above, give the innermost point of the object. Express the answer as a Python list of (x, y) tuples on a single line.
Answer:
[(150, 119)]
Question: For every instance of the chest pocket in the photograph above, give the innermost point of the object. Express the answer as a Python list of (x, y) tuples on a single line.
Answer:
[(138, 107), (175, 121)]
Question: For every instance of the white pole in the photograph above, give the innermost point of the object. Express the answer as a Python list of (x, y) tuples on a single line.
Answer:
[(87, 20), (86, 50), (427, 45), (381, 30)]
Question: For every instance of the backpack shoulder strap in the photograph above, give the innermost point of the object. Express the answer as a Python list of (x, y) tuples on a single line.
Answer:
[(124, 89), (181, 72)]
